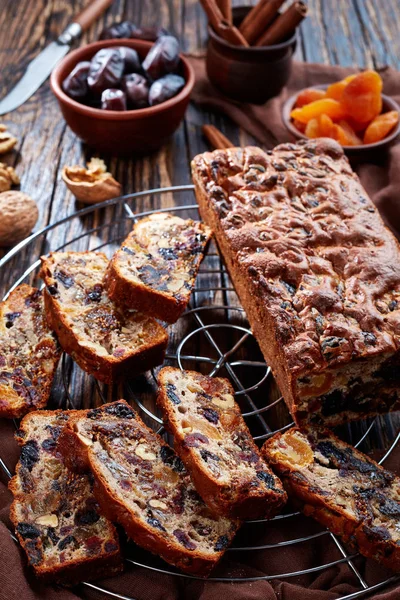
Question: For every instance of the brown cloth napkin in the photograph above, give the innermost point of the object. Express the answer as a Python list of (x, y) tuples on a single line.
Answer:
[(378, 171), (382, 180)]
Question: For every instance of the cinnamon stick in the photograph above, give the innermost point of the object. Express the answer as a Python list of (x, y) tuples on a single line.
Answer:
[(222, 27), (284, 24), (225, 6), (258, 19), (216, 138)]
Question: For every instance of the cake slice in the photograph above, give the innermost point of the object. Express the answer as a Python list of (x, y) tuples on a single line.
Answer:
[(54, 512), (141, 484), (216, 446), (155, 269), (29, 353), (341, 488), (107, 342)]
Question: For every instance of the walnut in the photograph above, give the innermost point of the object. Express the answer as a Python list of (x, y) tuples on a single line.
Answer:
[(7, 141), (8, 177), (19, 214), (93, 184)]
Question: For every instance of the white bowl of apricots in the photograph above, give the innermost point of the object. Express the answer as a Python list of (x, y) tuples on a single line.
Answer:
[(353, 111)]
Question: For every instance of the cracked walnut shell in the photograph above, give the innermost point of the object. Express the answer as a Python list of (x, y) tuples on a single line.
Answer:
[(8, 177), (93, 184), (19, 214)]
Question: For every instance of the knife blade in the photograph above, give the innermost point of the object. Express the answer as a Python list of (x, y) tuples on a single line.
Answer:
[(40, 67)]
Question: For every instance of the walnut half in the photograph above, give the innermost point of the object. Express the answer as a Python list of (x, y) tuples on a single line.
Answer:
[(93, 184), (8, 177), (7, 141), (19, 214)]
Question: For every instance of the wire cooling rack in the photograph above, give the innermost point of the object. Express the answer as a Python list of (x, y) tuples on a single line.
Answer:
[(212, 336)]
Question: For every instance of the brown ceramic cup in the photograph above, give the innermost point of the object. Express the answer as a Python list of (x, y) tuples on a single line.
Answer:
[(120, 132), (252, 74)]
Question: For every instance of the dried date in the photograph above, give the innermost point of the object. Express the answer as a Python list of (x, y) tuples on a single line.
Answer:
[(75, 85), (163, 57), (106, 70), (113, 99), (165, 88), (136, 90)]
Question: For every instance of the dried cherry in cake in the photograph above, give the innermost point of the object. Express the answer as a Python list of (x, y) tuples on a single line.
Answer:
[(163, 57), (76, 85), (106, 70)]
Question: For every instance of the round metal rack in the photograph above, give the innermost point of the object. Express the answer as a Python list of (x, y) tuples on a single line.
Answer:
[(212, 336)]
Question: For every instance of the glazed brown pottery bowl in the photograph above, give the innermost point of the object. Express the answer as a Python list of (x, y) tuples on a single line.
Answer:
[(120, 132), (248, 74), (387, 105)]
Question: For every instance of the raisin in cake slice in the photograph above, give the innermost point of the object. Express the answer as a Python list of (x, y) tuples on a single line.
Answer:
[(341, 488), (141, 484), (216, 446), (29, 353), (155, 269), (54, 511), (105, 341)]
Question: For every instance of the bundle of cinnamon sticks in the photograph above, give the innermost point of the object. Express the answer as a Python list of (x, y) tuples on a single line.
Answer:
[(263, 25)]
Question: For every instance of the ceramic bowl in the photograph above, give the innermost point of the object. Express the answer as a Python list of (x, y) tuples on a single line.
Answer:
[(248, 74), (120, 132), (388, 104)]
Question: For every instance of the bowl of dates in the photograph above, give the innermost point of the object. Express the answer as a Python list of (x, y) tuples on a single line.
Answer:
[(124, 96)]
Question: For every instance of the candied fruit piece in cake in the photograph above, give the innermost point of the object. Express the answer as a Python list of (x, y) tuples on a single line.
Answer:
[(143, 485), (29, 353), (55, 513), (341, 488), (108, 342), (381, 126), (213, 441), (155, 269)]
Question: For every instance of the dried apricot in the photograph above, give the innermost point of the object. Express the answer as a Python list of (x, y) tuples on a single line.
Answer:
[(345, 135), (309, 95), (312, 129), (362, 98), (380, 127), (335, 90), (300, 126), (326, 106), (325, 126)]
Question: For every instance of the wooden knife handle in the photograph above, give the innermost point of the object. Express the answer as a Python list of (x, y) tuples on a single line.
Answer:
[(92, 12)]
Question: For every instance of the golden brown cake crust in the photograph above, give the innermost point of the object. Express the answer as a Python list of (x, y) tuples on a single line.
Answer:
[(315, 268), (101, 315), (341, 488), (29, 353), (215, 444), (155, 269)]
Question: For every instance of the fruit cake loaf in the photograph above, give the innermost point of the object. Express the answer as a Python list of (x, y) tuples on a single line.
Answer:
[(341, 488), (155, 269), (217, 448), (104, 340), (29, 353), (316, 271), (54, 511), (141, 484)]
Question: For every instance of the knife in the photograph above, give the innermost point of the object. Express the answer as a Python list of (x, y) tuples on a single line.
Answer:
[(40, 67)]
